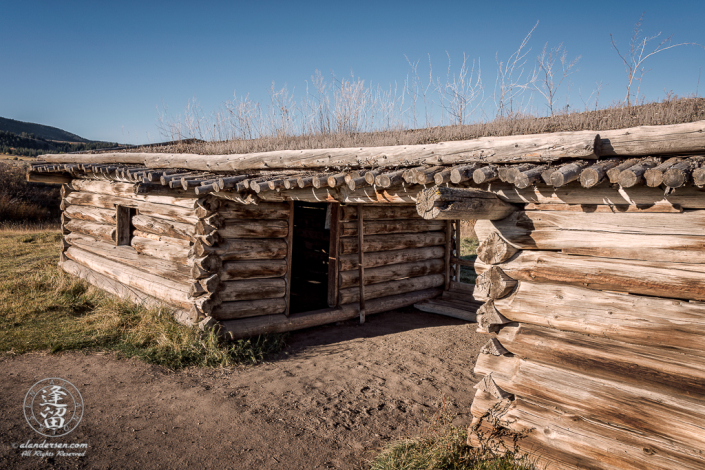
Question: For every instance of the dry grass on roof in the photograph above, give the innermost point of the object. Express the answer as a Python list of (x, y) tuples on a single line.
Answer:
[(669, 111)]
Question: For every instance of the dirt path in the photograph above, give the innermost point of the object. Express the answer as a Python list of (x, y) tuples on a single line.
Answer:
[(332, 399)]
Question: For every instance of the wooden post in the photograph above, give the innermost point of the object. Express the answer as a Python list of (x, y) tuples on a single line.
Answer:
[(457, 250), (449, 249), (334, 254), (289, 252), (361, 260), (123, 221)]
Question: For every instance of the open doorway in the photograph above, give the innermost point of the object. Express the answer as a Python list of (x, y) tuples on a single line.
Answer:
[(309, 262)]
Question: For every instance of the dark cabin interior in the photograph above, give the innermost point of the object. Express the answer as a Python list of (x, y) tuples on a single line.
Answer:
[(309, 263)]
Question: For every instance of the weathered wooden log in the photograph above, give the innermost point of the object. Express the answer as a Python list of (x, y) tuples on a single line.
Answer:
[(336, 180), (172, 292), (670, 280), (635, 174), (567, 173), (252, 269), (652, 223), (382, 258), (596, 174), (679, 174), (127, 255), (392, 242), (462, 173), (665, 248), (103, 232), (485, 174), (397, 194), (686, 138), (654, 369), (443, 176), (686, 197), (248, 308), (526, 178), (371, 176), (166, 179), (231, 182), (231, 291), (508, 173), (379, 227), (648, 321), (176, 242), (164, 211), (493, 284), (164, 227), (489, 320), (244, 249), (386, 180), (161, 250), (290, 183), (320, 180), (614, 172), (426, 176), (374, 291), (254, 229), (409, 174), (123, 291), (445, 203), (247, 327), (494, 249), (92, 214), (532, 148), (568, 441), (663, 206), (396, 211), (357, 183), (391, 272), (49, 178), (263, 210), (185, 199), (494, 347), (654, 176)]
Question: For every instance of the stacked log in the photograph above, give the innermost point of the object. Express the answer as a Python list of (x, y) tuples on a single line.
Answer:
[(594, 354), (402, 253), (139, 246), (252, 260)]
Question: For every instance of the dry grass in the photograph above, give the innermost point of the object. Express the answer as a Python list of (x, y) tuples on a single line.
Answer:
[(443, 445), (29, 203), (44, 309), (672, 110)]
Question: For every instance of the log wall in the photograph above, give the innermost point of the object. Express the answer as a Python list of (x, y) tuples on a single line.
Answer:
[(594, 321), (252, 249), (140, 246), (402, 252)]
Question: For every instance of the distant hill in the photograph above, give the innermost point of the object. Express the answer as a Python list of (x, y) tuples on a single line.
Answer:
[(30, 139), (39, 130)]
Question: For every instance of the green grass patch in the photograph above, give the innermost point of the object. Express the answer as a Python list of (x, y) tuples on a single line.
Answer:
[(443, 446), (44, 309), (468, 251)]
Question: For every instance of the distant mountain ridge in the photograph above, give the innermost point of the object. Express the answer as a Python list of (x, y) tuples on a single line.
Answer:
[(40, 130)]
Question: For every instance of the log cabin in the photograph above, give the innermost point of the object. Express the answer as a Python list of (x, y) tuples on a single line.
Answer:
[(591, 266)]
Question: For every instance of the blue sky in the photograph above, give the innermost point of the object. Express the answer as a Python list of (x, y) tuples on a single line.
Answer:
[(100, 69)]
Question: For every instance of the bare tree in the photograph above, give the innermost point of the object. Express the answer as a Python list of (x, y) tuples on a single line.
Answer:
[(511, 81), (551, 77), (462, 93), (638, 53)]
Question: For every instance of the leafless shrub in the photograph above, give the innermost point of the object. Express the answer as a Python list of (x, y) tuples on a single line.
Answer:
[(639, 51), (512, 80), (550, 76), (461, 94)]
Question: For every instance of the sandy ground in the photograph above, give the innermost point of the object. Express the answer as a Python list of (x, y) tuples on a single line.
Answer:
[(332, 399)]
